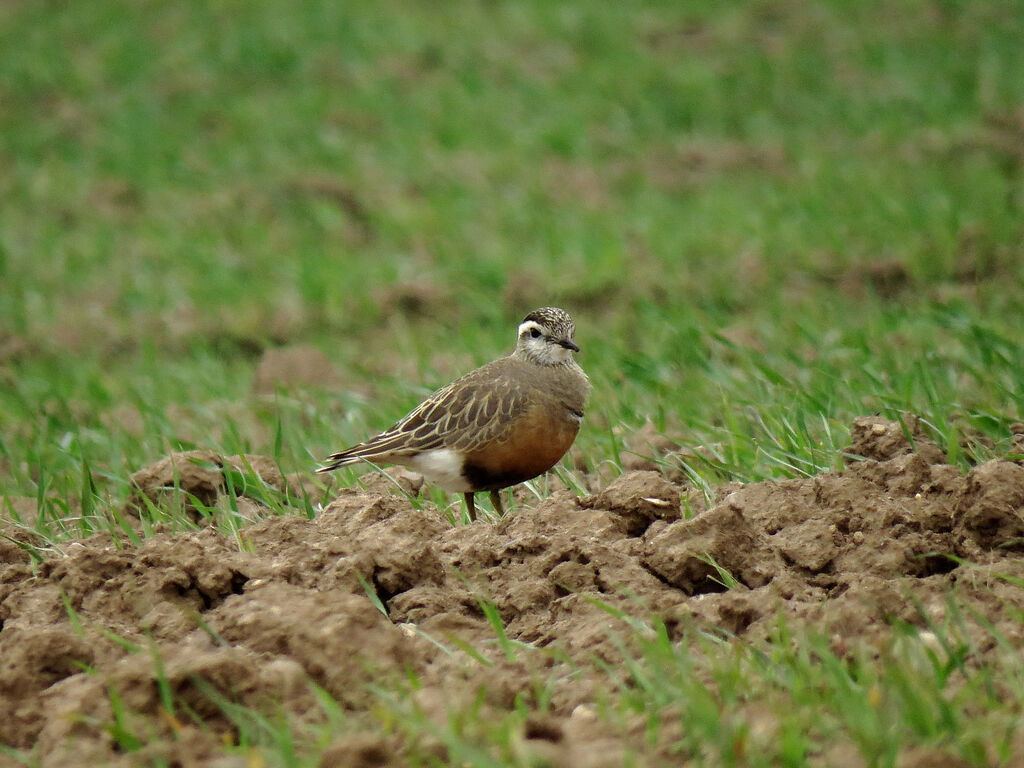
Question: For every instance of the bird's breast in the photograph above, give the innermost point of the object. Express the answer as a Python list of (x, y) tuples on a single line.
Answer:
[(534, 444)]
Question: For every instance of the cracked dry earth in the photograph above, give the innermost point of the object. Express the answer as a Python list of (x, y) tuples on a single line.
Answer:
[(839, 552)]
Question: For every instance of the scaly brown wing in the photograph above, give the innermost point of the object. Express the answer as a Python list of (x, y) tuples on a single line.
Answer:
[(465, 415)]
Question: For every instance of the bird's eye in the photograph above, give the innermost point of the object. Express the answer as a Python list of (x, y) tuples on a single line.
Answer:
[(534, 333)]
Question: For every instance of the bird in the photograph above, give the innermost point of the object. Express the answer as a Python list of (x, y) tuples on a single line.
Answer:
[(498, 425)]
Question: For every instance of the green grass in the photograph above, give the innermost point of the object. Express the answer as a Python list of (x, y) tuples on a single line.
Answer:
[(706, 189), (766, 219)]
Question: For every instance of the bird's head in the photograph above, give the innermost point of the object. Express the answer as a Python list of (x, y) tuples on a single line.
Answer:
[(546, 337)]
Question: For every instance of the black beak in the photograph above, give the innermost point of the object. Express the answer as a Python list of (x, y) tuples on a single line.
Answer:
[(569, 344)]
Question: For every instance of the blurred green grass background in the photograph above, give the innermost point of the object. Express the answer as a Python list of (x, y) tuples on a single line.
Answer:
[(766, 217)]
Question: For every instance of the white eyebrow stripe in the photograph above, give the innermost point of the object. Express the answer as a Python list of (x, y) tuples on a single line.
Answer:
[(529, 325)]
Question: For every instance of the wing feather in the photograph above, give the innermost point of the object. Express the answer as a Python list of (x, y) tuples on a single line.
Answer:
[(465, 415)]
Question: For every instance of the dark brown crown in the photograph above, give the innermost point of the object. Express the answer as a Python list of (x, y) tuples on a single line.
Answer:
[(554, 319)]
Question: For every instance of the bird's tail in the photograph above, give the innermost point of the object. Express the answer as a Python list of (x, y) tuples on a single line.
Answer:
[(338, 460), (353, 455)]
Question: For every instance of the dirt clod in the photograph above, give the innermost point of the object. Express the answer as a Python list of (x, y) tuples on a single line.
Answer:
[(293, 368), (878, 438), (705, 554), (358, 751), (991, 509), (637, 499), (203, 476), (198, 473), (333, 635)]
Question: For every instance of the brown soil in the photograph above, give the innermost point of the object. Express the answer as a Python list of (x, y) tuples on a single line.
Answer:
[(297, 367), (256, 622)]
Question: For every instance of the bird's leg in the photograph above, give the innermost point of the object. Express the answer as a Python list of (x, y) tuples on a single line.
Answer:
[(496, 501), (470, 506)]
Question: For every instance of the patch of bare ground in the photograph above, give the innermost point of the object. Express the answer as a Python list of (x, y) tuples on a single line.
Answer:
[(700, 160), (294, 367), (843, 553)]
